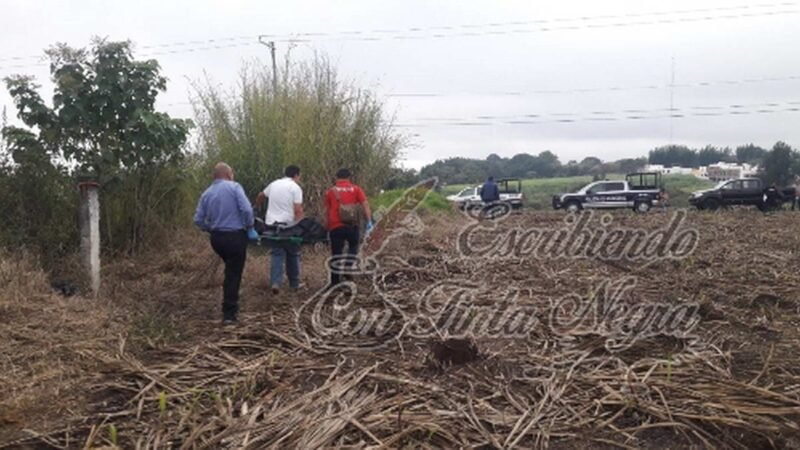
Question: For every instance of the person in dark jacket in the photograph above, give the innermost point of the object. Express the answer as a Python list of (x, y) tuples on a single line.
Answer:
[(773, 198), (490, 192)]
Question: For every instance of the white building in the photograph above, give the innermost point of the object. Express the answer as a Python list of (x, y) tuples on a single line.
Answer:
[(668, 170), (715, 172), (722, 171)]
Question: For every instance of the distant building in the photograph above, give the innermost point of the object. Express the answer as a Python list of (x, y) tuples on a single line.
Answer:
[(722, 171), (668, 170), (700, 172)]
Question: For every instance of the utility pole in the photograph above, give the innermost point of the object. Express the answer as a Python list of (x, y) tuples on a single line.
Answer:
[(271, 45)]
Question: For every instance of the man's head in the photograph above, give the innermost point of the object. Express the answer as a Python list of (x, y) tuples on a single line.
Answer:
[(491, 178), (292, 172), (222, 171), (343, 174)]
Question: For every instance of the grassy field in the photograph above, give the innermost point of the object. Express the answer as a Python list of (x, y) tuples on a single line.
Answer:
[(538, 191), (435, 201)]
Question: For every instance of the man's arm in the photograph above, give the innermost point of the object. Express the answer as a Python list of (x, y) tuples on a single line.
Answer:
[(327, 206), (200, 214), (261, 198), (362, 198), (367, 211), (297, 198), (243, 204)]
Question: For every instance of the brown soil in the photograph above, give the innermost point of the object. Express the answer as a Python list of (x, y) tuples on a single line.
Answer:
[(150, 359)]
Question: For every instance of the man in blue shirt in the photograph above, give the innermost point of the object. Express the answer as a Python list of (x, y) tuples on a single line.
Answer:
[(490, 192), (226, 213)]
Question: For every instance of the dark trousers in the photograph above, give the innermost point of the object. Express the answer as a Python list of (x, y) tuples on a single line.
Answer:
[(231, 246), (796, 203), (347, 234)]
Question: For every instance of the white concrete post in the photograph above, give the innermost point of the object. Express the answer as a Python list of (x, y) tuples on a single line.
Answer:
[(90, 232)]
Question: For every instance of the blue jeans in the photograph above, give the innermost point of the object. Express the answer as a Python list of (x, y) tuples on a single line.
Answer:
[(284, 252)]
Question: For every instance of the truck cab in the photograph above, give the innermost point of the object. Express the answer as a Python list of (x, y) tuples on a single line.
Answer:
[(510, 193), (639, 191), (742, 191)]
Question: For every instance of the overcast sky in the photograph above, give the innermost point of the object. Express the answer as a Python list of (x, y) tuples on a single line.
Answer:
[(470, 78)]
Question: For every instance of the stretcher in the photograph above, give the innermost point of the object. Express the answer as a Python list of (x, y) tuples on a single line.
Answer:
[(271, 234)]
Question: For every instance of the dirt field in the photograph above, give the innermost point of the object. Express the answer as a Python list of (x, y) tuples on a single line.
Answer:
[(148, 364)]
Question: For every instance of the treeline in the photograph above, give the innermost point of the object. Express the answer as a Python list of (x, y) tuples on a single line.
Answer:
[(779, 164), (683, 156), (101, 125), (524, 165)]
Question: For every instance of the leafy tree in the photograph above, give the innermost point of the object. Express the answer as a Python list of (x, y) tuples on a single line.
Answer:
[(401, 178), (673, 155), (547, 164), (711, 155), (590, 165), (628, 165), (457, 170), (570, 169), (778, 164), (521, 165), (750, 153), (4, 156), (102, 122)]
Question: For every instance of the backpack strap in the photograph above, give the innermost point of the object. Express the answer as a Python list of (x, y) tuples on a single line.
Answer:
[(336, 194)]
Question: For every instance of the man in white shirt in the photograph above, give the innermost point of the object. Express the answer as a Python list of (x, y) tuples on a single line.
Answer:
[(285, 208)]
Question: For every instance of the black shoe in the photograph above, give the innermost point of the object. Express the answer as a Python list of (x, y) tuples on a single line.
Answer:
[(276, 290), (230, 322)]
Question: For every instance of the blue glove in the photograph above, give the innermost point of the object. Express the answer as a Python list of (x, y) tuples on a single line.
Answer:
[(370, 226), (251, 234)]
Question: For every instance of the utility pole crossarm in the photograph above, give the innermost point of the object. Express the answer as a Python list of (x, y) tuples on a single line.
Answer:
[(271, 45)]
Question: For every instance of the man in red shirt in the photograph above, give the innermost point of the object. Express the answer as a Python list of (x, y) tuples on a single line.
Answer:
[(344, 204)]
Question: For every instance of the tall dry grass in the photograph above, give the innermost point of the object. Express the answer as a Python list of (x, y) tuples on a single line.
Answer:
[(313, 120), (46, 347)]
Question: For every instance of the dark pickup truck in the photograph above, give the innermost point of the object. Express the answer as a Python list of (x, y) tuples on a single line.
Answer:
[(742, 191)]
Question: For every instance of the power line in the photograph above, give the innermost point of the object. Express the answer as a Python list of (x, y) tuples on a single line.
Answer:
[(355, 36), (402, 33), (612, 116), (202, 42), (696, 84), (600, 89), (397, 31), (147, 55), (580, 91), (596, 113)]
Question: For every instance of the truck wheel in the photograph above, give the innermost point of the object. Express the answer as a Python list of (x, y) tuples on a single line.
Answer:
[(711, 204), (573, 207), (641, 207)]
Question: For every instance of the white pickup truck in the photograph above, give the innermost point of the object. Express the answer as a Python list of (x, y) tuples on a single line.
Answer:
[(510, 192)]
